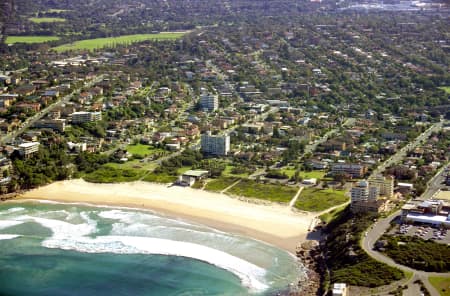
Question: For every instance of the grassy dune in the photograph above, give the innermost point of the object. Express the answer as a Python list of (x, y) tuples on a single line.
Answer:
[(30, 39), (39, 20), (315, 200), (91, 44), (446, 89), (58, 10)]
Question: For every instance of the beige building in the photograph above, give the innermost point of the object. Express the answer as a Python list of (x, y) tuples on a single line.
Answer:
[(364, 198), (363, 192), (385, 185), (355, 170)]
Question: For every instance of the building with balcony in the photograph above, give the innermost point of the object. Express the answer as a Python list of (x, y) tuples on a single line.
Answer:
[(83, 117), (215, 144), (354, 170), (385, 185), (28, 149), (209, 102)]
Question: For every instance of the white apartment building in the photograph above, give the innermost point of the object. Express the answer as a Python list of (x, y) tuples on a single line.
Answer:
[(215, 145), (83, 117), (209, 102), (27, 149), (363, 192), (360, 192)]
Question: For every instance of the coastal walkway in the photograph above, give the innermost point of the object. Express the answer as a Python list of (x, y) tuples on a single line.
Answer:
[(231, 186), (294, 200)]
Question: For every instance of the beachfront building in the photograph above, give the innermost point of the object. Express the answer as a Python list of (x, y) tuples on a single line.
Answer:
[(385, 185), (209, 102), (215, 144), (28, 149), (83, 117), (191, 176), (364, 198), (363, 192)]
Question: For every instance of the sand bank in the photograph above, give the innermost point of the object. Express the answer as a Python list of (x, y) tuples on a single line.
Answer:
[(275, 224)]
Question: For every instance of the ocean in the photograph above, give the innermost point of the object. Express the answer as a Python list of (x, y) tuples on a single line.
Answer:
[(59, 249)]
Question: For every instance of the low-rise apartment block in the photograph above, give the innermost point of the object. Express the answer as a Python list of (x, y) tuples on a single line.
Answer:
[(54, 124), (354, 170), (83, 117), (28, 149)]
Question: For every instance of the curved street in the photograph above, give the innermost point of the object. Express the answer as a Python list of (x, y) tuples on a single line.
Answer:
[(373, 234)]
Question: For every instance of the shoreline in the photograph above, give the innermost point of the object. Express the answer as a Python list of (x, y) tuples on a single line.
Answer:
[(274, 224)]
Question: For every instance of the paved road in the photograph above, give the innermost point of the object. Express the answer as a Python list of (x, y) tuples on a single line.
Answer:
[(31, 120), (436, 183), (402, 152)]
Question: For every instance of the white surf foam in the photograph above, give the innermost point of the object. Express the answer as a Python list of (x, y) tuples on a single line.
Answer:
[(251, 275), (8, 236), (12, 210), (69, 236), (62, 229), (9, 223)]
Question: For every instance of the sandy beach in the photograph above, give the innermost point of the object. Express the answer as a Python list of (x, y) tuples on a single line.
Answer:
[(275, 224)]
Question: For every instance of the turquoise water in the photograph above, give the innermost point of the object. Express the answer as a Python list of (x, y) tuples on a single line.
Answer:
[(61, 249)]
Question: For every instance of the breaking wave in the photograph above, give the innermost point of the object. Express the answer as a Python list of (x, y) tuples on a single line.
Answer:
[(81, 237)]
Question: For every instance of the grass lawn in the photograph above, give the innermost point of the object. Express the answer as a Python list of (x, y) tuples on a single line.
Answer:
[(219, 184), (331, 215), (39, 20), (91, 44), (227, 172), (144, 150), (316, 200), (30, 39), (165, 177), (133, 164), (442, 285), (107, 174), (160, 178), (290, 171), (271, 192)]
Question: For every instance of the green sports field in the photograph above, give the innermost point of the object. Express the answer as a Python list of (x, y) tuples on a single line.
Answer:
[(39, 20), (91, 44), (30, 39)]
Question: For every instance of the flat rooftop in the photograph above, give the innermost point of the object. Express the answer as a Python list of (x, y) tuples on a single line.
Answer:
[(27, 145), (195, 173), (434, 219)]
